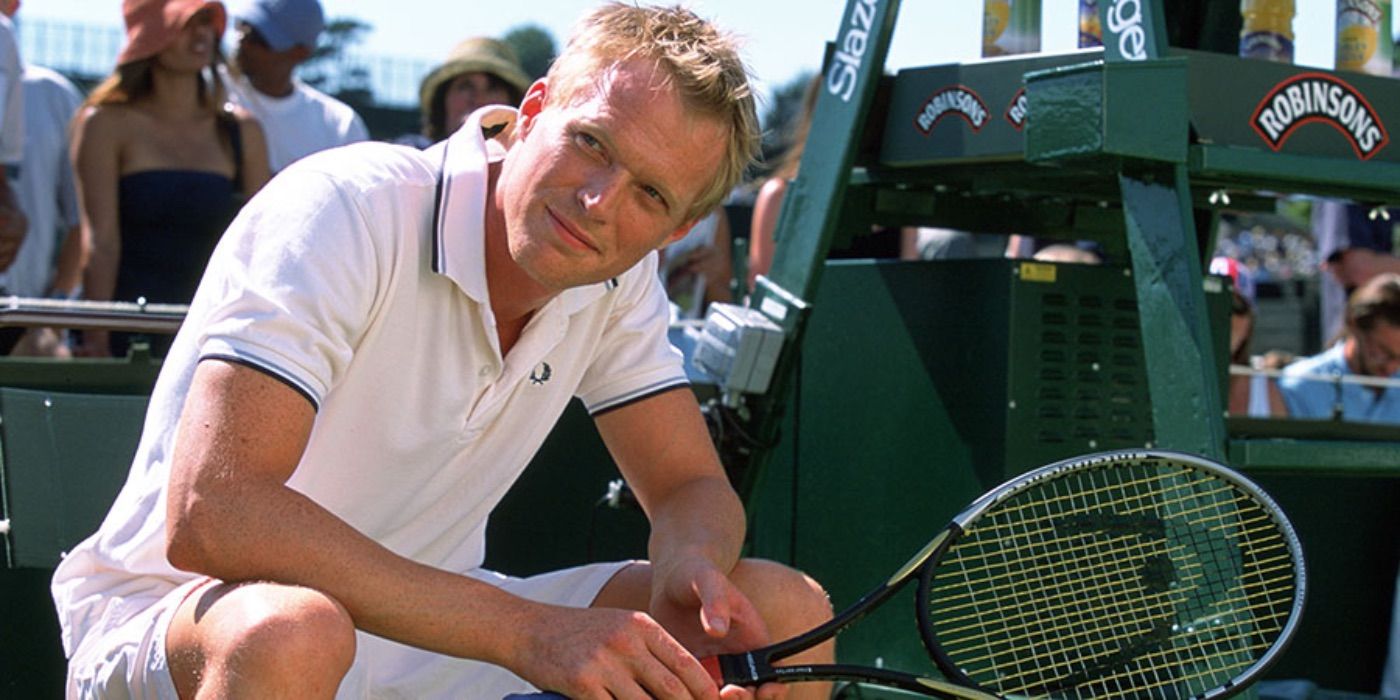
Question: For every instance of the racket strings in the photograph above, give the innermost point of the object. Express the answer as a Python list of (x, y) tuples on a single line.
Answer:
[(951, 591), (1005, 593), (1134, 577), (1039, 661), (1110, 678), (1093, 594)]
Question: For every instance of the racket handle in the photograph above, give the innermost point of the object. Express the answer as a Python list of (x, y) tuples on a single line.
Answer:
[(711, 665)]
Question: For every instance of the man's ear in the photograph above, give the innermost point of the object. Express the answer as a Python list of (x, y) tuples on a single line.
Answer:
[(679, 233), (531, 105)]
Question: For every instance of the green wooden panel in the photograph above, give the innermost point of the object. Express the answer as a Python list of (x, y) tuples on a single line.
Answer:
[(1225, 94), (1356, 449), (1118, 110), (65, 457), (1350, 532), (922, 385), (962, 111), (872, 462), (32, 666), (134, 374)]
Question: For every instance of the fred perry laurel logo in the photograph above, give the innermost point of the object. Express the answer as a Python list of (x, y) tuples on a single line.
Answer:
[(541, 373), (1319, 97), (954, 99)]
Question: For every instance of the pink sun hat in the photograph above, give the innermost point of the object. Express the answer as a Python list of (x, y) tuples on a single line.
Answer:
[(151, 25)]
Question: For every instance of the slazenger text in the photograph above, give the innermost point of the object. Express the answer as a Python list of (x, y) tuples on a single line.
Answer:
[(1125, 22), (850, 51)]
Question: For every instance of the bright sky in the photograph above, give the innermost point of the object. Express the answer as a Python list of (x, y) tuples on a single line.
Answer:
[(784, 37)]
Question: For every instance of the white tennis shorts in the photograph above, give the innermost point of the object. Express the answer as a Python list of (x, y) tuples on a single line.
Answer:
[(129, 661)]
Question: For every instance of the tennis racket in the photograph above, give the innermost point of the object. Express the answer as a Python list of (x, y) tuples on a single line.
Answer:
[(1143, 574)]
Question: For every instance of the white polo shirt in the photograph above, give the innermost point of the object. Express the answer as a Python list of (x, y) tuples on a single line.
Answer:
[(357, 278)]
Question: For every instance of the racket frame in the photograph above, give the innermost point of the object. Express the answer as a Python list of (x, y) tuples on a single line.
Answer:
[(1016, 485), (755, 667)]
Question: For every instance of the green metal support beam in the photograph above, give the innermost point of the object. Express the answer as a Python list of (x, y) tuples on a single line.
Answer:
[(812, 207), (1157, 210), (815, 205), (1176, 336)]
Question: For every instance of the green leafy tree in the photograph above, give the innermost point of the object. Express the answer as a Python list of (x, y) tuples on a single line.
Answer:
[(534, 46), (330, 67)]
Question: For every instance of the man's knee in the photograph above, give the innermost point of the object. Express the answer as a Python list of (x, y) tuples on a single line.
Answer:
[(783, 593), (287, 636), (298, 623)]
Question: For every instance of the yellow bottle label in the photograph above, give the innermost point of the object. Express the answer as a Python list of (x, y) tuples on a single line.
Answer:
[(1090, 28), (1363, 36), (1356, 45), (1267, 31), (996, 15)]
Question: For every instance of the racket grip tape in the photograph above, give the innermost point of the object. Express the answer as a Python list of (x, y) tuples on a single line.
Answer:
[(711, 666), (737, 669)]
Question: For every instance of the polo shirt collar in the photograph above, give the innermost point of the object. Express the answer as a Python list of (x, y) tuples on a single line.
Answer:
[(460, 213)]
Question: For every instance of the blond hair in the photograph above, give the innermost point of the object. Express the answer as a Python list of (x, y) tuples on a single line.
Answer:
[(697, 58)]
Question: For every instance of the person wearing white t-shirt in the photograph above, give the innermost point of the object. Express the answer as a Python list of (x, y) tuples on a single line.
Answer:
[(46, 189), (274, 37), (382, 341), (12, 219), (49, 262)]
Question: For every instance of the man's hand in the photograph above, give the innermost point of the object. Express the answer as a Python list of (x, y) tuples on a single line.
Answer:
[(705, 611), (697, 603), (610, 653)]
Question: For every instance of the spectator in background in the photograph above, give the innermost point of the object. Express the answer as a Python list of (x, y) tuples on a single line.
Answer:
[(877, 243), (1370, 347), (1082, 254), (1248, 395), (12, 220), (274, 37), (162, 164), (11, 130), (1354, 247), (479, 71), (1083, 251), (696, 270), (48, 196)]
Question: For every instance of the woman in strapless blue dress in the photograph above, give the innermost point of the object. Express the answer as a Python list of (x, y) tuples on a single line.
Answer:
[(162, 162)]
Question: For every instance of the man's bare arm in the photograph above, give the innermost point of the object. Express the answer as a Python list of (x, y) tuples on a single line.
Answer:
[(663, 449), (232, 517)]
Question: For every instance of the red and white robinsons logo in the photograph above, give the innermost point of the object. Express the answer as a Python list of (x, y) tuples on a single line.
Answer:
[(954, 99), (1016, 110), (1319, 97)]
